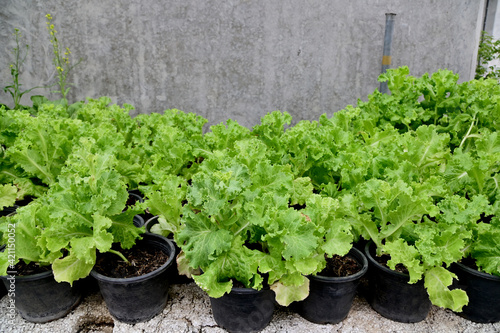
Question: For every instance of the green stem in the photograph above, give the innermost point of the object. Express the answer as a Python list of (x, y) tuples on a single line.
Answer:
[(468, 132), (119, 254)]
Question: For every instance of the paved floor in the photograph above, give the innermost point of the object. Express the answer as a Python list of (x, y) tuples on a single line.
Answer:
[(188, 310)]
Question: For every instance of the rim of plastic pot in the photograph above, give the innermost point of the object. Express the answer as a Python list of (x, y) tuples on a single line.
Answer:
[(147, 276), (368, 249), (28, 277), (359, 257), (135, 195), (246, 291), (32, 277), (138, 221), (149, 223), (478, 273)]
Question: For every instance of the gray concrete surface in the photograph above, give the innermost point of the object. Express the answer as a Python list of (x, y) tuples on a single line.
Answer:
[(238, 59), (188, 310)]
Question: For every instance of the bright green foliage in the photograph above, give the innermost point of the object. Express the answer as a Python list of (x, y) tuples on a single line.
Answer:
[(415, 171), (168, 143), (485, 249), (224, 136), (8, 195), (86, 209), (112, 131), (30, 222), (42, 148), (12, 123), (240, 222), (270, 131), (437, 282), (165, 199)]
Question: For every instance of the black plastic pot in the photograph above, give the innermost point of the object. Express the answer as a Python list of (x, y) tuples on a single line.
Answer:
[(483, 291), (330, 298), (176, 277), (135, 196), (151, 222), (391, 295), (39, 298), (138, 299), (138, 221), (244, 309), (9, 210), (3, 291)]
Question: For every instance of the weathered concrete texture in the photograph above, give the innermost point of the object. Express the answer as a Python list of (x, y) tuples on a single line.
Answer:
[(188, 310), (238, 59)]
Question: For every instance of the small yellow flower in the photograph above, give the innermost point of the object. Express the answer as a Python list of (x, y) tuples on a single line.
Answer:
[(60, 69), (51, 26), (48, 16)]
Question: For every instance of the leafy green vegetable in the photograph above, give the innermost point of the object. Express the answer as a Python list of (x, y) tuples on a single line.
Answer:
[(239, 223)]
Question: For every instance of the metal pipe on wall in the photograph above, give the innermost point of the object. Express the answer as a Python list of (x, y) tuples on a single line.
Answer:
[(386, 57)]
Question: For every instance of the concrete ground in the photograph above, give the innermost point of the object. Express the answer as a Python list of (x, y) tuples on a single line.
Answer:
[(188, 310)]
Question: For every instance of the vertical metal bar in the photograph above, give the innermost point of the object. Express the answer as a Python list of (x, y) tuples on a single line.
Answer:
[(386, 57)]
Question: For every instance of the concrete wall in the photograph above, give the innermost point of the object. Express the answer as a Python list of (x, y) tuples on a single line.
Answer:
[(238, 59)]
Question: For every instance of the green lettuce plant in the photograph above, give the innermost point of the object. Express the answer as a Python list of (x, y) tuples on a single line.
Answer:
[(83, 213), (244, 221)]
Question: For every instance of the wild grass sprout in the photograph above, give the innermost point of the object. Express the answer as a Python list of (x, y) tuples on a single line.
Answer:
[(61, 59), (14, 89)]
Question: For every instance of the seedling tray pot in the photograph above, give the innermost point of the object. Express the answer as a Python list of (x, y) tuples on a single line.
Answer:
[(137, 299), (330, 298), (391, 295), (244, 309)]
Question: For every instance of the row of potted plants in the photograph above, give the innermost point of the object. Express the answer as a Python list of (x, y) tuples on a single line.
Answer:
[(406, 181)]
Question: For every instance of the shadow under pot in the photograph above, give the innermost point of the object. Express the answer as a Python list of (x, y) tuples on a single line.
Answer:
[(139, 298), (176, 277), (484, 294), (391, 295), (330, 298), (244, 309), (39, 298)]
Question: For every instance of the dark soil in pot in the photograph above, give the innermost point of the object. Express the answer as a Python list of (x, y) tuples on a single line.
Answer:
[(390, 294), (38, 297), (176, 277), (244, 309), (142, 260), (483, 290), (332, 291), (144, 293)]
